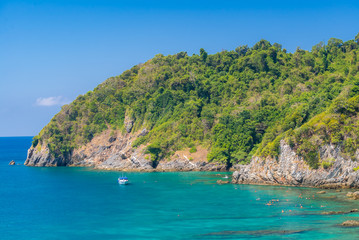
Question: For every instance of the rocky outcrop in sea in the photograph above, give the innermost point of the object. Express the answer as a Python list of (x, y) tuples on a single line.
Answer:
[(291, 169)]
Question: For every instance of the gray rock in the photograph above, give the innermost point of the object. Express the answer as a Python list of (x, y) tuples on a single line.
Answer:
[(350, 194), (119, 162), (355, 195), (122, 155), (222, 182), (117, 155), (340, 212), (111, 139), (235, 176), (183, 164), (129, 125), (12, 162), (351, 223), (43, 158), (291, 169), (144, 132)]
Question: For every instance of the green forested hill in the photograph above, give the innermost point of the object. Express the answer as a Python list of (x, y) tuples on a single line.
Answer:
[(235, 103)]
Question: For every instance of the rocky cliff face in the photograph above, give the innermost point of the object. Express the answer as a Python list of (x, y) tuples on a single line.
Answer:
[(40, 156), (290, 169), (181, 163), (111, 151), (114, 152)]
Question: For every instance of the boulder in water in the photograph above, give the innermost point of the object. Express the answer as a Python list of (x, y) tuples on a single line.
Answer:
[(353, 195), (12, 162), (340, 212), (351, 223), (222, 182)]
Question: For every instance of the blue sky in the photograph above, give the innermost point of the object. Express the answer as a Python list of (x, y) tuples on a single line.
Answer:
[(54, 50)]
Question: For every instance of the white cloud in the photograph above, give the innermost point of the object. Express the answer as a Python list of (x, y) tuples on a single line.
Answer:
[(52, 101)]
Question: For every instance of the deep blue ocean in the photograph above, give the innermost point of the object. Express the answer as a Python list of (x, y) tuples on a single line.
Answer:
[(82, 203)]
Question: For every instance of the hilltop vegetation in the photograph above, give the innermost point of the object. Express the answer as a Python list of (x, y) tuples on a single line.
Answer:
[(235, 103)]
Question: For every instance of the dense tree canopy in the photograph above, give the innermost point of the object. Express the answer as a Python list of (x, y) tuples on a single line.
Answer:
[(235, 103)]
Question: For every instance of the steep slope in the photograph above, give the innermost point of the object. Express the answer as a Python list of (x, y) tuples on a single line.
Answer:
[(322, 152), (204, 112), (289, 168)]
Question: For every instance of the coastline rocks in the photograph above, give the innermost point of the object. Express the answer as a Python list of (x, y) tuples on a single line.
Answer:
[(12, 162), (340, 212), (133, 163), (254, 233), (353, 195), (291, 169), (114, 151), (350, 223), (321, 192), (183, 164), (41, 157), (222, 182)]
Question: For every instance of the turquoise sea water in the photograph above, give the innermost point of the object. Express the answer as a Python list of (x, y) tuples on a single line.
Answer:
[(82, 203)]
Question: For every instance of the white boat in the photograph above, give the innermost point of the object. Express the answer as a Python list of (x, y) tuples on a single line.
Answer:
[(123, 180)]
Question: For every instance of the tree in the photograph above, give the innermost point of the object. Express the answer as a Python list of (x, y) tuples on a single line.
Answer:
[(181, 55), (203, 54), (242, 50), (262, 45), (277, 45), (334, 43), (318, 47)]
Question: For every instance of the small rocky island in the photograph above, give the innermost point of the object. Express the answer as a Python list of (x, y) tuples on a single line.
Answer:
[(12, 162)]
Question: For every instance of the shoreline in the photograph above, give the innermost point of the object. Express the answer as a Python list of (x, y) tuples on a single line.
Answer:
[(230, 178)]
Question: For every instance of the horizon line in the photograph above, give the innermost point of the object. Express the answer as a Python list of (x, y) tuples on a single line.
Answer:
[(15, 136)]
